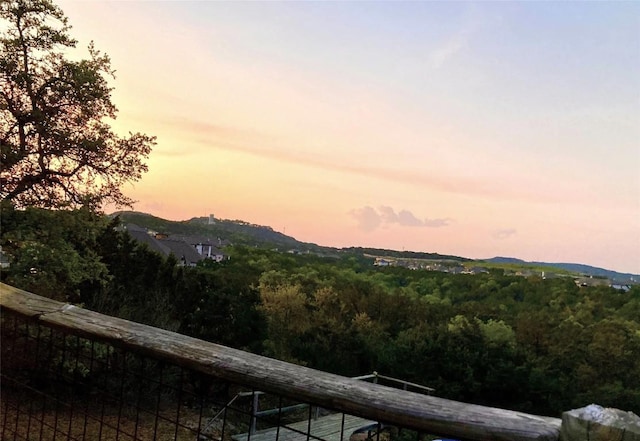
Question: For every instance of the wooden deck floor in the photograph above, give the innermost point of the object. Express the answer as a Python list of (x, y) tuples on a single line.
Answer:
[(326, 428)]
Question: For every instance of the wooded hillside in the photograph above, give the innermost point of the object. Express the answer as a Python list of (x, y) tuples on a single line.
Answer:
[(540, 346)]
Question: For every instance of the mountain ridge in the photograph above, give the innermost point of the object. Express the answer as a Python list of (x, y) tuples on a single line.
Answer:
[(246, 233), (573, 267)]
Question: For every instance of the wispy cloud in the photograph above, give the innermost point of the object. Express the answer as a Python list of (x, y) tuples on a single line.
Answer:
[(455, 43), (504, 234), (437, 223), (387, 214), (369, 218), (448, 50), (206, 136)]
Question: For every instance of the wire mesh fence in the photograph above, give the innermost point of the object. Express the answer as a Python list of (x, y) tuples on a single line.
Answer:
[(61, 386), (67, 373)]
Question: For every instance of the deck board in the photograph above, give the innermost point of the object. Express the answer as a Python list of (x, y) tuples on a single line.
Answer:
[(326, 428)]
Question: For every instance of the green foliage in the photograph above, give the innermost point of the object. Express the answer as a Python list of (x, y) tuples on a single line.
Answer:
[(497, 333), (541, 346), (407, 254), (219, 302), (53, 253)]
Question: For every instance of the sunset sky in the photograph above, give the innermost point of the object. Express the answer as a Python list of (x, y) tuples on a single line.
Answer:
[(473, 129)]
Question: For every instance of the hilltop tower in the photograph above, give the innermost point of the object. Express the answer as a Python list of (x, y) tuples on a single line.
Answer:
[(212, 220)]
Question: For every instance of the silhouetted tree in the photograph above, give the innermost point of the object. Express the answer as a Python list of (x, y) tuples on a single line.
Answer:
[(57, 148)]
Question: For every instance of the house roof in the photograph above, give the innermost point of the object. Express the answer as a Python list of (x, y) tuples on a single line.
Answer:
[(133, 227), (194, 240), (182, 250), (153, 243), (223, 242), (204, 240), (216, 251), (181, 246)]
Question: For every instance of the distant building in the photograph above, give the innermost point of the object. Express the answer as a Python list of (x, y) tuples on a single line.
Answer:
[(478, 270), (204, 246), (382, 262), (621, 287), (189, 250), (185, 253), (592, 281), (152, 242)]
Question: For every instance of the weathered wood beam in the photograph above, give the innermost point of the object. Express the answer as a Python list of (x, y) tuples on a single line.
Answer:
[(379, 403)]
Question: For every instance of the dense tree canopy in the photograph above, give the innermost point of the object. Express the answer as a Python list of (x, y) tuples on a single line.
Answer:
[(57, 148), (541, 346)]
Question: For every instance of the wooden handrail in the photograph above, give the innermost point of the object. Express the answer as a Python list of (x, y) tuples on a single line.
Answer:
[(420, 412)]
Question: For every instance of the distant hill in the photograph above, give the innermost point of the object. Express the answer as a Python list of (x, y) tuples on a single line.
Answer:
[(239, 232), (235, 231), (587, 270), (244, 233), (379, 252)]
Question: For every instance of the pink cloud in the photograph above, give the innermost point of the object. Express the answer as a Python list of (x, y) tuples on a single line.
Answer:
[(369, 219), (253, 142), (504, 234)]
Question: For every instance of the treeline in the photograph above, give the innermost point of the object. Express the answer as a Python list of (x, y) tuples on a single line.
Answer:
[(541, 346), (405, 254)]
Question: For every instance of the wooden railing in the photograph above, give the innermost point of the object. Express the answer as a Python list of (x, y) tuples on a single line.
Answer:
[(422, 413)]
